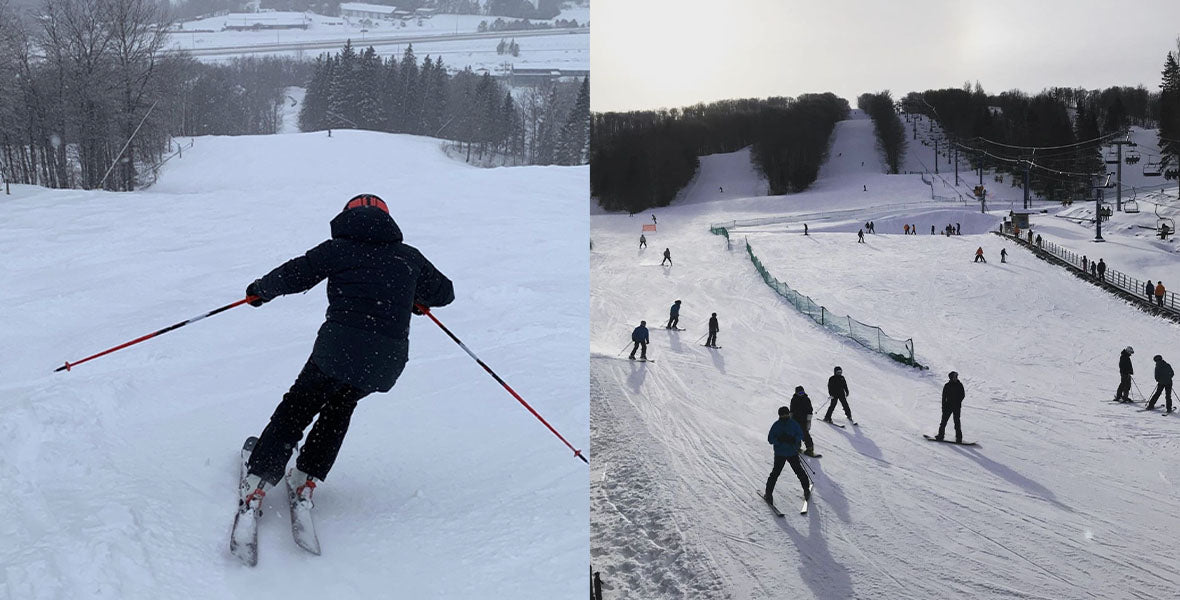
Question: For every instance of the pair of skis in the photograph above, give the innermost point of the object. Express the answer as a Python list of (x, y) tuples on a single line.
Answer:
[(243, 541), (779, 513)]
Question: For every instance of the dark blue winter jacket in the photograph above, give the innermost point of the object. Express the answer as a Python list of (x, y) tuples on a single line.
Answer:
[(639, 335), (1163, 371), (1125, 367), (675, 312), (786, 435), (373, 282), (801, 406)]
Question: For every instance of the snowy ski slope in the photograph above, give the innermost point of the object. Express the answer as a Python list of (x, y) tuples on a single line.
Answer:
[(1067, 495), (121, 475)]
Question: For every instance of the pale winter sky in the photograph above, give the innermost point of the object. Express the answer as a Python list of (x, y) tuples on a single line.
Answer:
[(667, 53)]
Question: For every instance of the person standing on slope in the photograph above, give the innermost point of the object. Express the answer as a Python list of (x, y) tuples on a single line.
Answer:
[(642, 241), (838, 391), (1163, 382), (667, 257), (1149, 291), (785, 434), (640, 336), (860, 236), (374, 282), (711, 341), (801, 411), (1101, 270), (979, 255), (952, 405), (1122, 394), (1159, 293), (1003, 255), (673, 315), (653, 219)]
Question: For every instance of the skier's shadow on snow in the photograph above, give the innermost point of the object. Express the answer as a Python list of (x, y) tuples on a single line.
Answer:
[(674, 341), (1016, 479), (718, 360), (638, 374), (823, 575)]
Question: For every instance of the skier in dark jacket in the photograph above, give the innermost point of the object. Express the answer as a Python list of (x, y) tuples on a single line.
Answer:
[(639, 336), (838, 391), (1149, 290), (1101, 270), (642, 241), (711, 341), (667, 257), (1163, 383), (374, 282), (673, 315), (952, 404), (801, 411), (785, 434), (1122, 394)]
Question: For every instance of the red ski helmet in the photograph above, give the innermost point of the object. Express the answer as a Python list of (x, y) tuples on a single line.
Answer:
[(367, 200)]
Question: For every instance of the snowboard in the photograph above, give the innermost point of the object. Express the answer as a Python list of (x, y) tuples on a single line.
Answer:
[(946, 441)]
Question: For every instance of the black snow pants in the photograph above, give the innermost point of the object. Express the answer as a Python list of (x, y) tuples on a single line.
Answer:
[(796, 466), (950, 409), (312, 393), (1123, 393), (639, 345), (712, 339), (1160, 388), (843, 404), (805, 425)]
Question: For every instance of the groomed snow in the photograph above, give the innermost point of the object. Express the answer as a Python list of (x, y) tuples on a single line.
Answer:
[(121, 474), (1068, 495)]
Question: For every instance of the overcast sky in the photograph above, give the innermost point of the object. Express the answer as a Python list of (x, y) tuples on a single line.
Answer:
[(667, 53)]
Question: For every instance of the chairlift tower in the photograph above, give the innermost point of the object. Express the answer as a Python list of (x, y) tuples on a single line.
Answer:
[(1099, 183), (1119, 193)]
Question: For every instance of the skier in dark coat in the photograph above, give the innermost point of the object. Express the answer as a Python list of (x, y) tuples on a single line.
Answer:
[(1122, 394), (673, 315), (952, 404), (801, 411), (640, 337), (1163, 383), (1003, 255), (374, 282), (860, 236), (642, 241), (1101, 270), (785, 434), (1149, 290), (711, 341), (667, 257), (838, 391)]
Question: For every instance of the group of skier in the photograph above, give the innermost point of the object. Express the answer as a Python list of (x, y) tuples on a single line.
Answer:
[(1163, 380), (640, 335)]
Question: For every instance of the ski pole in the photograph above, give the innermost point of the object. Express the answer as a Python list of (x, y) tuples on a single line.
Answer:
[(808, 467), (69, 365), (426, 311), (1141, 396), (624, 349), (701, 338)]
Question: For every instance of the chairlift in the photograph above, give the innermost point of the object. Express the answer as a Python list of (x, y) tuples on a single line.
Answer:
[(1151, 168), (1132, 157), (1165, 226), (1112, 156), (1130, 206)]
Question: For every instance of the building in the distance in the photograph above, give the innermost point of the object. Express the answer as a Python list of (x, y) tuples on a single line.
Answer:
[(361, 10), (266, 20)]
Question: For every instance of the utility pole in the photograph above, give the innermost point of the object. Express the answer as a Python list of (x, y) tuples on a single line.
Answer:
[(1027, 201), (1098, 186), (956, 166), (981, 167), (936, 157)]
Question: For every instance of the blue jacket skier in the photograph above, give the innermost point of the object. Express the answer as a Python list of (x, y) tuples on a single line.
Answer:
[(673, 315), (639, 336), (374, 281), (786, 434)]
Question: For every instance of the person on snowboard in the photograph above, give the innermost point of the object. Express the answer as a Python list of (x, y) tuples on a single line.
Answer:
[(639, 336), (1125, 372), (374, 282), (838, 391), (1163, 383), (673, 315), (801, 411), (952, 404), (642, 241), (785, 434), (667, 257), (1003, 255), (711, 341)]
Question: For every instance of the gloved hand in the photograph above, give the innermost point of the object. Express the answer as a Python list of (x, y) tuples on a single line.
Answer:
[(416, 310), (252, 290)]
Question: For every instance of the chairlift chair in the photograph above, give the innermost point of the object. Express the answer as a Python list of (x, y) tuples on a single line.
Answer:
[(1132, 157), (1130, 206), (1151, 168), (1112, 157)]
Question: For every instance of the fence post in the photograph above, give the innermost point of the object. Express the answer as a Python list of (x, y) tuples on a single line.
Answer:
[(822, 314), (878, 339)]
